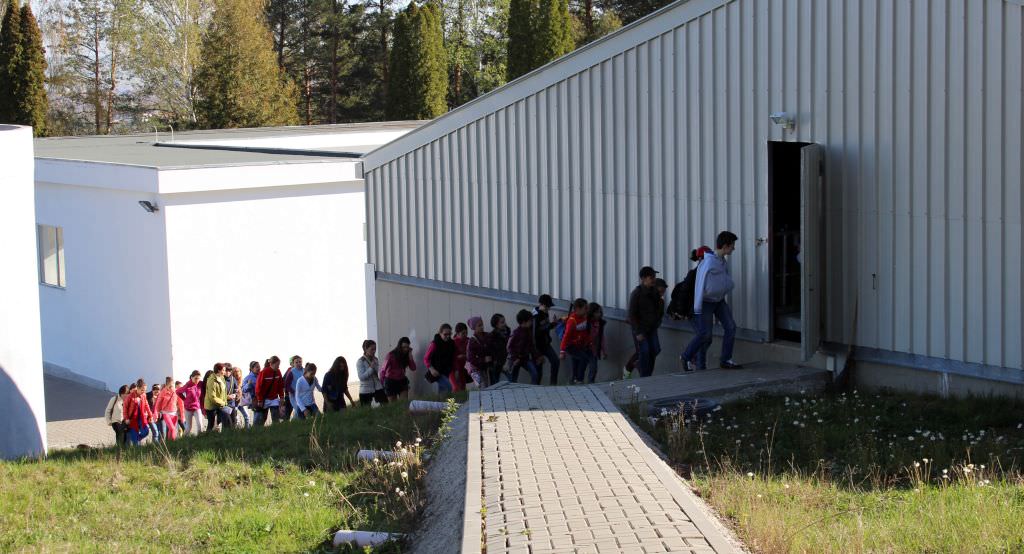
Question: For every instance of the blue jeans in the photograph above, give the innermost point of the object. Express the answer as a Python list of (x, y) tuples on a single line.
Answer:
[(582, 360), (530, 368), (552, 357), (260, 419), (236, 409), (443, 384), (701, 357), (137, 436), (154, 431), (704, 324), (647, 352)]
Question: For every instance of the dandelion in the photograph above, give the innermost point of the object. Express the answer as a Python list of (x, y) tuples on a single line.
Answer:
[(418, 440), (925, 460), (398, 444), (917, 464), (982, 466), (305, 494), (785, 486), (945, 471), (750, 474), (401, 493), (312, 483)]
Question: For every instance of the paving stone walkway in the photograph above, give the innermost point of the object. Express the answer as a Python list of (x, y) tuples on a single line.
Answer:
[(561, 469)]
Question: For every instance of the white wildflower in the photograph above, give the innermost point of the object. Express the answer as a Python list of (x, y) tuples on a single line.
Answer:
[(312, 483), (917, 464), (398, 444), (982, 466), (305, 494), (401, 493), (750, 474), (405, 475), (925, 460), (785, 486)]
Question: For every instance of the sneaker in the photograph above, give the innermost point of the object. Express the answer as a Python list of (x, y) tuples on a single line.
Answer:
[(729, 364)]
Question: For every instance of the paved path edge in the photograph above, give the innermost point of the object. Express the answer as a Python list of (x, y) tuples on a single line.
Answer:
[(701, 515), (471, 525)]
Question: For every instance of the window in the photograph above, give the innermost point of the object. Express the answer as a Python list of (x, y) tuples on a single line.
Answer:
[(51, 256)]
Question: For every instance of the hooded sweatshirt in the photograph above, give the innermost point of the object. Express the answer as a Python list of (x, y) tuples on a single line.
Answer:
[(394, 369), (520, 346), (189, 393), (577, 333), (136, 411), (713, 281), (165, 401)]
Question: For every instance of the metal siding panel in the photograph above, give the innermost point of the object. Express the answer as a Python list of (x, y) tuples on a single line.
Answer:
[(955, 168), (418, 227), (976, 324), (1013, 158), (620, 206), (938, 279), (450, 216), (993, 184), (902, 186), (866, 293), (884, 175)]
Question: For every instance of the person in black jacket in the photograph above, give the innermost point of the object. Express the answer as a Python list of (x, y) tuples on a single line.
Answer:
[(440, 358), (646, 310), (542, 334)]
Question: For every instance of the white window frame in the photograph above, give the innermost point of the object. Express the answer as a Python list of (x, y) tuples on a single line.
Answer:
[(59, 270)]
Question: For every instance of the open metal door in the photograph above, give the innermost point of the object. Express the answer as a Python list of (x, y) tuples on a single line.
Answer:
[(811, 235)]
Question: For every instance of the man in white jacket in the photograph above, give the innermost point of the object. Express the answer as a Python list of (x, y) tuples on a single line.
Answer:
[(713, 283)]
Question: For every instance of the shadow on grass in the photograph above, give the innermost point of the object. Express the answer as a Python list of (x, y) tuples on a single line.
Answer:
[(862, 441)]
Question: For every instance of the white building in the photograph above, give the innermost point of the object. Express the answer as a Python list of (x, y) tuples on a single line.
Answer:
[(174, 253), (23, 425), (883, 138)]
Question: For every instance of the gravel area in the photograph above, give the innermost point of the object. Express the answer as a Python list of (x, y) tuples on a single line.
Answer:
[(440, 530)]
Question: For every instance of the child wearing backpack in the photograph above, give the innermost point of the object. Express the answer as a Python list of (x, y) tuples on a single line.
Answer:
[(712, 284), (576, 342), (681, 307)]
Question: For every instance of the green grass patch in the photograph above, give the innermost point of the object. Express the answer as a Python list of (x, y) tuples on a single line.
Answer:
[(282, 488), (857, 472)]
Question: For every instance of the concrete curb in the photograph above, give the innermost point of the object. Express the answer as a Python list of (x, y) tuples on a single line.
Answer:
[(471, 524)]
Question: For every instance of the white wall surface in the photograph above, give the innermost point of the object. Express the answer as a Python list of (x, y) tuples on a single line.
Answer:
[(261, 272), (111, 323), (23, 425)]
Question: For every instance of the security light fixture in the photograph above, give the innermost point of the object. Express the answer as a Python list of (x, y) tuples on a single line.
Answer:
[(784, 120), (149, 206)]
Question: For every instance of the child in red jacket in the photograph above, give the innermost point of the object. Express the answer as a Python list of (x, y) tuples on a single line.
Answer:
[(576, 342), (136, 413)]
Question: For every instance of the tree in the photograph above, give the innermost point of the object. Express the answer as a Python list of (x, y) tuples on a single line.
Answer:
[(553, 32), (98, 42), (11, 46), (239, 81), (166, 57), (418, 72), (30, 76), (521, 37), (631, 10)]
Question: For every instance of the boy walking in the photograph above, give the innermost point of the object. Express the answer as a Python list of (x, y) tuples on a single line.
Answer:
[(712, 285), (522, 353), (542, 334), (646, 310)]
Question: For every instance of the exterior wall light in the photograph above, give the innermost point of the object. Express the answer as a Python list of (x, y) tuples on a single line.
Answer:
[(149, 206), (784, 120)]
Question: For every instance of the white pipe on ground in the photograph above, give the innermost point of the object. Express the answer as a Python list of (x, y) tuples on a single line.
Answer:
[(363, 538), (422, 406), (386, 455)]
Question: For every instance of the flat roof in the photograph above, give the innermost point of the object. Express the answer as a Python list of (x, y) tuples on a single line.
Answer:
[(227, 147)]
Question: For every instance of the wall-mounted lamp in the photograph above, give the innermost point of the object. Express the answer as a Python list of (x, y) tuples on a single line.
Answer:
[(149, 206), (784, 120)]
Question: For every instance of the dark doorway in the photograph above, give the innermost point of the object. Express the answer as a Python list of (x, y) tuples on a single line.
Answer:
[(784, 188)]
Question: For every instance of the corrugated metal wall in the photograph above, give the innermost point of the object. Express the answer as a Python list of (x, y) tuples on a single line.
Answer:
[(651, 151)]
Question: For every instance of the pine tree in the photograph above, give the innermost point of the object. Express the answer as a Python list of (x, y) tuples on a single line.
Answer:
[(554, 37), (521, 37), (418, 70), (11, 47), (239, 81), (30, 76)]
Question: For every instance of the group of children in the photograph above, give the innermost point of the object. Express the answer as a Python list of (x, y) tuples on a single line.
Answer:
[(221, 396), (469, 355)]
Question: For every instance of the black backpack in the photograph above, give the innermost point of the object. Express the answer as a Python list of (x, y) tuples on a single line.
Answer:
[(681, 304)]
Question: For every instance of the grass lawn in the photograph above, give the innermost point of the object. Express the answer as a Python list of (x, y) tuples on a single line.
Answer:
[(283, 488), (858, 472)]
